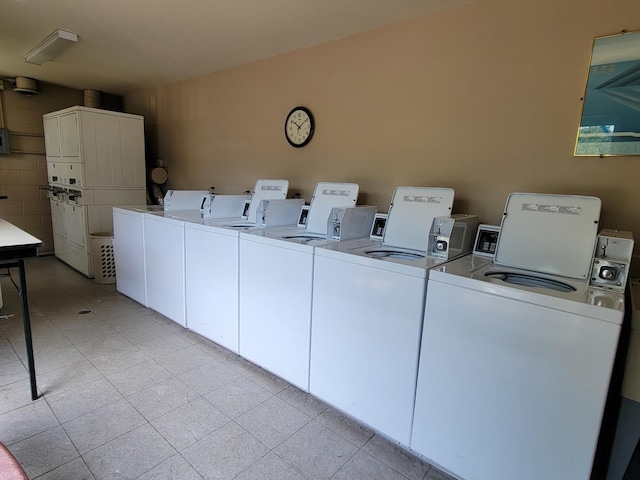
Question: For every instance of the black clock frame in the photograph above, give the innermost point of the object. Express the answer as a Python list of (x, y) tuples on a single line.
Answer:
[(311, 122)]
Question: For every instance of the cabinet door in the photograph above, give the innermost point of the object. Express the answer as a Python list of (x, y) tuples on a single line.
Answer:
[(57, 218), (75, 222), (52, 136), (69, 136), (113, 150)]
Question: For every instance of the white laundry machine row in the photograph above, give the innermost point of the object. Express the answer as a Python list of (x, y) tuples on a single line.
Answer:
[(516, 354), (149, 247), (128, 251), (129, 240), (166, 250), (211, 265), (276, 275), (368, 306)]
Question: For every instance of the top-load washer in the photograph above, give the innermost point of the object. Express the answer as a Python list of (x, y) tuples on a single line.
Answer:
[(276, 266), (368, 304), (517, 354), (211, 265), (165, 249), (129, 244)]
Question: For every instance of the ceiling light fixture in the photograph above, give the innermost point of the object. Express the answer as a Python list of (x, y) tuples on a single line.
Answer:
[(52, 46)]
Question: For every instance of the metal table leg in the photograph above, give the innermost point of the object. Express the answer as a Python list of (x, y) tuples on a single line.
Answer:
[(26, 319)]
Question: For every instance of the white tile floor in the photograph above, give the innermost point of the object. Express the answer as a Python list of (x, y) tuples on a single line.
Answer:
[(127, 394)]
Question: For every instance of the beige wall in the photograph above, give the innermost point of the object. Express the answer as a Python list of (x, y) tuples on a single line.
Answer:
[(24, 170), (484, 98)]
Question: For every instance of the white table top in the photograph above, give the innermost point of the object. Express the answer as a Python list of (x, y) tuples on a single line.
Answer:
[(12, 236)]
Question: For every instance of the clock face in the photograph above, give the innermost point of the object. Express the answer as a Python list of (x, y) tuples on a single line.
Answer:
[(299, 126)]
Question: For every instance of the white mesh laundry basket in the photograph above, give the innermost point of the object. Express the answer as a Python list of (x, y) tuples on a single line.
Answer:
[(104, 265)]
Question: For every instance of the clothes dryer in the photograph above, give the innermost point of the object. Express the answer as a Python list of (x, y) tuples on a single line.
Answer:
[(368, 305), (517, 354), (276, 274)]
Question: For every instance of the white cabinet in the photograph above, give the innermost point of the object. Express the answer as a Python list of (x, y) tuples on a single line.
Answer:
[(52, 137), (69, 136), (97, 158)]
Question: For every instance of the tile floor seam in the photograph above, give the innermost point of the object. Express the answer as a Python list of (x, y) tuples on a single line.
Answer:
[(288, 462), (31, 436)]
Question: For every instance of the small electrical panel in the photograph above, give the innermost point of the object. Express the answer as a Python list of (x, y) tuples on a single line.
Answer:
[(4, 141)]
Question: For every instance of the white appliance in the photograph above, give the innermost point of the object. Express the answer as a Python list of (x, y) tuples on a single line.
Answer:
[(628, 429), (165, 249), (128, 251), (211, 263), (368, 304), (129, 246), (517, 354), (276, 268), (95, 160)]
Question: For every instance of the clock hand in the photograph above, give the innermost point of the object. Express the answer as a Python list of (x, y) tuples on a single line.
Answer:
[(306, 120), (296, 124)]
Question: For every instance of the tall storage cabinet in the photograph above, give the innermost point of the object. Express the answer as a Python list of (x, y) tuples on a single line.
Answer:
[(95, 161)]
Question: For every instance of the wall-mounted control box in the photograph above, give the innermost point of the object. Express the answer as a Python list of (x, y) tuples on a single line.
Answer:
[(4, 141)]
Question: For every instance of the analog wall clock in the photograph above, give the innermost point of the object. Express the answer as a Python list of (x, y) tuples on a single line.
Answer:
[(299, 127)]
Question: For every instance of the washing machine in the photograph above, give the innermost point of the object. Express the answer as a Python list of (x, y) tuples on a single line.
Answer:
[(627, 437), (129, 244), (517, 353), (276, 274), (211, 265), (368, 305), (165, 249)]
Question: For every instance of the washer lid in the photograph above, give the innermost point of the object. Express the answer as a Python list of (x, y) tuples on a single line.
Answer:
[(411, 214), (554, 234), (325, 197)]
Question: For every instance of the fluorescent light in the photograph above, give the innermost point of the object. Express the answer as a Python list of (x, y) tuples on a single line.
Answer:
[(53, 45)]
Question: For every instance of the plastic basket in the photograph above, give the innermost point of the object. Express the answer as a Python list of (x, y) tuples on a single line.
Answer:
[(104, 265)]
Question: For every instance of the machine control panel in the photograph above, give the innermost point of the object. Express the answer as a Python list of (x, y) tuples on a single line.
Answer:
[(345, 223), (486, 240), (302, 218), (610, 267), (379, 224), (452, 235)]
